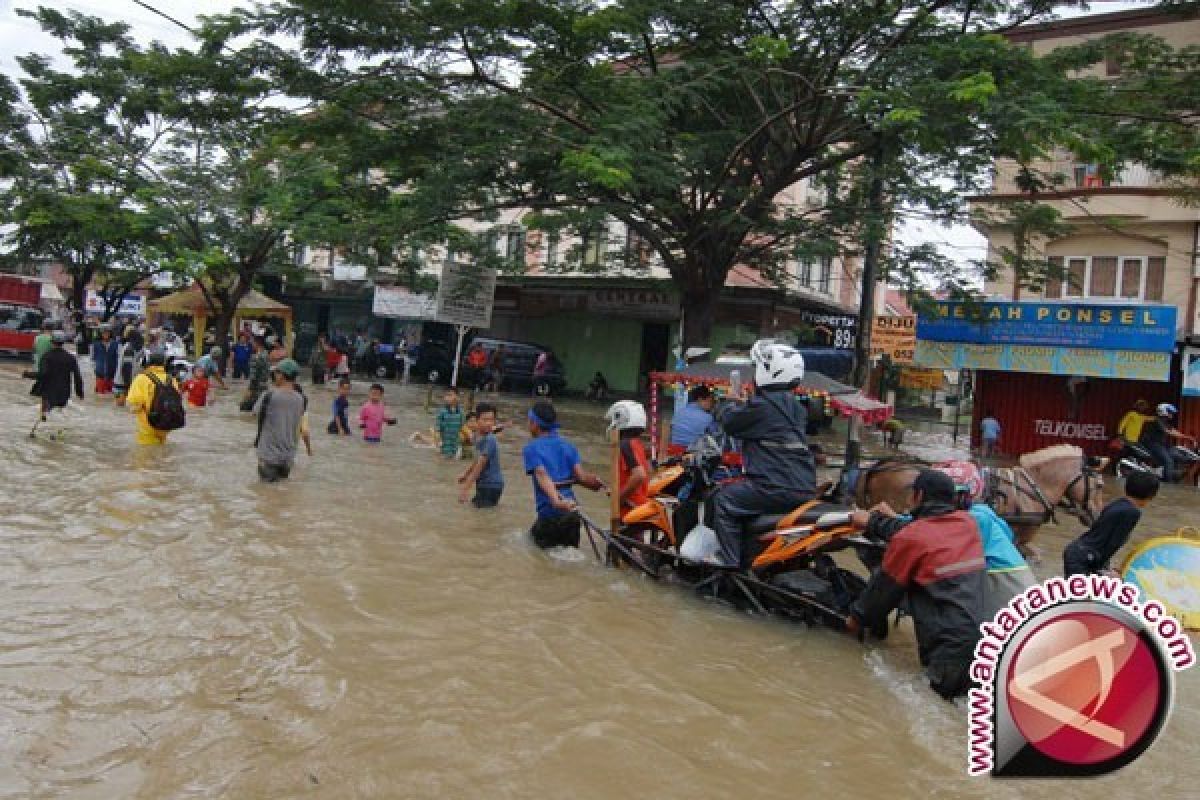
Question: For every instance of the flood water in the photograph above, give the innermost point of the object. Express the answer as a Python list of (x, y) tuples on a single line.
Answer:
[(171, 628)]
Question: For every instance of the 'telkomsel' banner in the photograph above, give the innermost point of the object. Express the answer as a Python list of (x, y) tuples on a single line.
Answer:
[(1126, 364), (1112, 326)]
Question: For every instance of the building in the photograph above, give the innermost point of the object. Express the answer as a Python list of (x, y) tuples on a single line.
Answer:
[(1131, 244), (580, 294)]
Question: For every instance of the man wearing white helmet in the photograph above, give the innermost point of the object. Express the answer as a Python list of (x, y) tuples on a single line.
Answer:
[(1157, 436), (628, 418), (779, 467)]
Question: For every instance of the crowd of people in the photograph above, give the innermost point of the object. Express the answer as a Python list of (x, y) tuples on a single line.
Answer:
[(950, 564)]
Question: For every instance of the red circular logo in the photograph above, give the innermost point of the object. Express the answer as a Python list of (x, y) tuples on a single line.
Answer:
[(1084, 688)]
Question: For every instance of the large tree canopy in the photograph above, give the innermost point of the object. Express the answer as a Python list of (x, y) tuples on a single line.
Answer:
[(140, 159), (685, 119)]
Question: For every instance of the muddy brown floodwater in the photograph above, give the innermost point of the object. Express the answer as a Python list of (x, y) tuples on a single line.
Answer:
[(170, 628)]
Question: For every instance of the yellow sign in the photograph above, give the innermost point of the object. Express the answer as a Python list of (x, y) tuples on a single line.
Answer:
[(1027, 358), (917, 378), (895, 337)]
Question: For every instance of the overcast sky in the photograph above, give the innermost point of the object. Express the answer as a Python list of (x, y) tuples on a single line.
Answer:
[(19, 35)]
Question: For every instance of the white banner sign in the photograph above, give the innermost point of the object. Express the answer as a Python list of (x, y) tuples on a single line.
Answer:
[(465, 295), (131, 304), (398, 303)]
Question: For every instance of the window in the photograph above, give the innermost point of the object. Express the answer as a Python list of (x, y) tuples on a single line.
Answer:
[(1108, 277), (804, 272), (826, 272), (1087, 176), (595, 243), (508, 242), (552, 239)]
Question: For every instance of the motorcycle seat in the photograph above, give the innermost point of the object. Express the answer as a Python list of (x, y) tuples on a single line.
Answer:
[(765, 523)]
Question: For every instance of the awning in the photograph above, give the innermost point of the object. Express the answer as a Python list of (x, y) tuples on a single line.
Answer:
[(844, 399)]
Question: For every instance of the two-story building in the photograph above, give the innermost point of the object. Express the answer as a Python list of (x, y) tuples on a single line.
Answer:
[(1130, 243)]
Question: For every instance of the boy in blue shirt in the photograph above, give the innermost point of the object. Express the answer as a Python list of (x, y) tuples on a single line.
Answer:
[(484, 471), (693, 420), (553, 464), (989, 430), (340, 424)]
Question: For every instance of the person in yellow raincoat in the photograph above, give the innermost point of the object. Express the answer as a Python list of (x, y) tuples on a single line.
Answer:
[(141, 395)]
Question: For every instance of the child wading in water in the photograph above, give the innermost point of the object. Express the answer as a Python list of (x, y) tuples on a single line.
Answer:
[(484, 471), (373, 415), (196, 388), (553, 464), (340, 424), (449, 424)]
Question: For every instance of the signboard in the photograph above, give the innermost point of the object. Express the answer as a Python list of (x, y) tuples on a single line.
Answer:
[(894, 337), (131, 304), (1191, 372), (653, 304), (466, 294), (395, 302), (841, 330), (1146, 328), (1125, 364), (919, 378)]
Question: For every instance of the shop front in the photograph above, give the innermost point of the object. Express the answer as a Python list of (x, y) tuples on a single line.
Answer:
[(1054, 373)]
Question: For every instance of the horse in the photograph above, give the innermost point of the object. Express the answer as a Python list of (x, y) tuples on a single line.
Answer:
[(1026, 496)]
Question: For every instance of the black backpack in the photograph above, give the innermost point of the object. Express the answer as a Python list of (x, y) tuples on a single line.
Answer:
[(166, 412)]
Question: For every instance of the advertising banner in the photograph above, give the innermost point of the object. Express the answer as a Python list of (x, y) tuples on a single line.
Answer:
[(131, 304), (395, 302), (895, 337), (1146, 328), (1125, 364), (1191, 372)]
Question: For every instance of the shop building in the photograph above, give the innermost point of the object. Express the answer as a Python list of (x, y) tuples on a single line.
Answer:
[(1054, 372), (1131, 242)]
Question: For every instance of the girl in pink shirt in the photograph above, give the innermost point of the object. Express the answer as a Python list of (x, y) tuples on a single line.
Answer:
[(373, 415)]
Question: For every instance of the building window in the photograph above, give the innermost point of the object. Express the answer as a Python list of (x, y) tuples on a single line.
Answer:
[(825, 274), (1087, 176), (804, 273), (1137, 278), (595, 241), (508, 242)]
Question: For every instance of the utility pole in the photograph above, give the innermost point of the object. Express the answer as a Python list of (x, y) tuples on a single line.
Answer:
[(870, 276)]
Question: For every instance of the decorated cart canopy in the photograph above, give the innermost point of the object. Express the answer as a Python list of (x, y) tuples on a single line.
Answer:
[(845, 400), (191, 301)]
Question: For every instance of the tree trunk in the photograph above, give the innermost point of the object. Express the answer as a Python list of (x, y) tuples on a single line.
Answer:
[(699, 308)]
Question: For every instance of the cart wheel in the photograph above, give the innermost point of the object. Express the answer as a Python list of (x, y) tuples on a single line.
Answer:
[(542, 388)]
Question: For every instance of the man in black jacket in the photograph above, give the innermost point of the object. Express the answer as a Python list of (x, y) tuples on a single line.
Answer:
[(935, 563), (57, 371), (1092, 551), (779, 467)]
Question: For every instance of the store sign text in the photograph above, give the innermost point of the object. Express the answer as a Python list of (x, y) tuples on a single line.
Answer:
[(1063, 429)]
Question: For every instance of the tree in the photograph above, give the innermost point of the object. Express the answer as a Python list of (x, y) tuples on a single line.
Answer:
[(683, 120), (176, 158), (75, 143)]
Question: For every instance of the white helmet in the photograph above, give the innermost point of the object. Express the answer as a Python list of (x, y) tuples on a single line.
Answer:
[(776, 364), (1166, 410), (626, 414)]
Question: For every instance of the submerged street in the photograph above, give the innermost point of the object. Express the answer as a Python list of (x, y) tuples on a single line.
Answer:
[(171, 627)]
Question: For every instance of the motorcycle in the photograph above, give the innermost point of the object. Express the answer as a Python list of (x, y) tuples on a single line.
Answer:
[(1136, 458), (792, 572)]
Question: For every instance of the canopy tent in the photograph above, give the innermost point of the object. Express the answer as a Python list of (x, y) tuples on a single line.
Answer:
[(846, 400), (191, 301)]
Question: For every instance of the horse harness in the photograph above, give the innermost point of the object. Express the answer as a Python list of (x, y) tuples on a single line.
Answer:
[(1020, 479)]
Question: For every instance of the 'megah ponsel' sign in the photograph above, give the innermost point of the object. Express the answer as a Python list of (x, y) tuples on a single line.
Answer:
[(1145, 328)]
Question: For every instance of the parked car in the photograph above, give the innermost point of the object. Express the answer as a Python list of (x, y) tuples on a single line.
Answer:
[(520, 358)]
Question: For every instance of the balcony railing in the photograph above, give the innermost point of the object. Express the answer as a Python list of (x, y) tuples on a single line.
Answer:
[(1071, 175)]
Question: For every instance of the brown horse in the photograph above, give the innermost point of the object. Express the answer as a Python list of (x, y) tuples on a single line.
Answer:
[(1026, 495)]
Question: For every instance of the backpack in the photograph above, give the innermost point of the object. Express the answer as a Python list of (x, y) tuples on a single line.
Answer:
[(166, 412)]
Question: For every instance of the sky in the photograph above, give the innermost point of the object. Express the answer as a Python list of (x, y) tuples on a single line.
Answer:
[(19, 35)]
